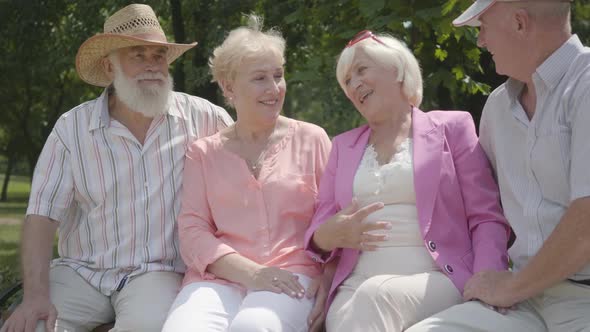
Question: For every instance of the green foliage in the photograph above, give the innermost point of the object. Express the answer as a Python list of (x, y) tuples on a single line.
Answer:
[(39, 40)]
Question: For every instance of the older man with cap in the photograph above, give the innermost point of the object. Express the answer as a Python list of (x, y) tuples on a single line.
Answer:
[(534, 129), (109, 179)]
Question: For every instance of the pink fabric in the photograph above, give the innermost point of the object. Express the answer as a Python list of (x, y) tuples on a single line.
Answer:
[(456, 196), (226, 210)]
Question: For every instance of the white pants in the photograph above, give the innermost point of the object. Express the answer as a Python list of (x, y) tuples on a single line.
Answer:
[(563, 308), (209, 306), (140, 306), (389, 302)]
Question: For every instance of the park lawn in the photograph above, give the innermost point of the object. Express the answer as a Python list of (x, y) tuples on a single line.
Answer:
[(9, 254), (19, 188), (11, 213)]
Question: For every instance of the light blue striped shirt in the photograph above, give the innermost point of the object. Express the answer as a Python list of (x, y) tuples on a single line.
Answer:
[(542, 165)]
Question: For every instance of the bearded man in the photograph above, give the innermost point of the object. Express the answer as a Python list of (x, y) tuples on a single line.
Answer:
[(108, 180)]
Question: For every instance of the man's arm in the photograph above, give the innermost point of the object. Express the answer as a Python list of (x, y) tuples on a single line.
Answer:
[(565, 252), (36, 251)]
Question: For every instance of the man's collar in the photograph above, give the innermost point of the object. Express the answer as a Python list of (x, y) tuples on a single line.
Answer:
[(100, 112), (552, 70), (174, 107), (101, 118)]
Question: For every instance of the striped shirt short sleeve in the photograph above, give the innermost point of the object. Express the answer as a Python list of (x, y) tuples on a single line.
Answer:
[(117, 200)]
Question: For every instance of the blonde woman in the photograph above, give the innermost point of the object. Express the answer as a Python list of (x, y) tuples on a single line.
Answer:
[(248, 198)]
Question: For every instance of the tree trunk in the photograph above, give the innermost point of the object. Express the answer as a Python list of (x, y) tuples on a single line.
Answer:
[(179, 37), (8, 172)]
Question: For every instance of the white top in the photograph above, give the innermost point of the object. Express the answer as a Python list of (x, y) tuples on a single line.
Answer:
[(117, 200), (393, 185), (542, 164)]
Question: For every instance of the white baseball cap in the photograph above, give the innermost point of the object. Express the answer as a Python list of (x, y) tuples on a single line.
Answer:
[(471, 16)]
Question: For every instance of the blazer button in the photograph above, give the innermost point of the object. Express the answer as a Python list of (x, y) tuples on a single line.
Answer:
[(449, 269), (431, 246), (315, 259)]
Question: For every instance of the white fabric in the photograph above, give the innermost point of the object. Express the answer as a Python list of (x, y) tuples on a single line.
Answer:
[(207, 306), (471, 15), (393, 185), (140, 306), (117, 200), (389, 302), (399, 283), (563, 308)]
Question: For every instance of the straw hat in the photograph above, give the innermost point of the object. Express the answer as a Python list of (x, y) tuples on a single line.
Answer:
[(133, 25)]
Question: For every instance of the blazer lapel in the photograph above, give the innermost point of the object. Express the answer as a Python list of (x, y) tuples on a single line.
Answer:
[(352, 154), (427, 156)]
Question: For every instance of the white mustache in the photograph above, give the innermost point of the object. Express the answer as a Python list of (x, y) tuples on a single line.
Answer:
[(150, 76)]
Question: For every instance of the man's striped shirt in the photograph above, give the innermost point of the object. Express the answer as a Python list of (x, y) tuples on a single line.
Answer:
[(115, 199)]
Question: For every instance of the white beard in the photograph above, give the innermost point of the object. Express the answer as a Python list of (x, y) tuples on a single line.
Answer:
[(150, 101)]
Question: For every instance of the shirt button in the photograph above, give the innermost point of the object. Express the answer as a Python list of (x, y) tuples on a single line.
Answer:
[(315, 259), (431, 246), (145, 184), (449, 269)]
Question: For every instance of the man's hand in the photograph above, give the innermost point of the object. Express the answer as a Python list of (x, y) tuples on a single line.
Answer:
[(495, 288), (28, 313)]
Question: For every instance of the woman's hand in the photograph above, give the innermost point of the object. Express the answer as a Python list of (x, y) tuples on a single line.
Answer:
[(320, 289), (276, 280), (347, 230), (239, 269), (317, 316)]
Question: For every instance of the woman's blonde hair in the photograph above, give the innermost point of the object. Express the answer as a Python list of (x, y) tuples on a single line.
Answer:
[(243, 44), (392, 53)]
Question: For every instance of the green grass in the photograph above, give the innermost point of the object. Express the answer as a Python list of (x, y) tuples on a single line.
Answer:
[(15, 208), (18, 195), (9, 242), (9, 254)]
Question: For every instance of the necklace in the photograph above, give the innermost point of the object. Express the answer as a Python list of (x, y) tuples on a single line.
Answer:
[(254, 166)]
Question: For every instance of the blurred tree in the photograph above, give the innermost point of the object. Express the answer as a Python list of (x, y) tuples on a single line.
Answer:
[(39, 39)]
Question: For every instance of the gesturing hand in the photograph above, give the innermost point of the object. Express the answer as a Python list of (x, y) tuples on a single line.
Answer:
[(277, 280), (347, 230)]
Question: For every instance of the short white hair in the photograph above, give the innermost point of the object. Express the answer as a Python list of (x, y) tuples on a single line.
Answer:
[(392, 53), (243, 44)]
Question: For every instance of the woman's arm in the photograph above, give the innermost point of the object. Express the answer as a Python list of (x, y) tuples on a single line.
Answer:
[(321, 291), (199, 246), (487, 224)]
